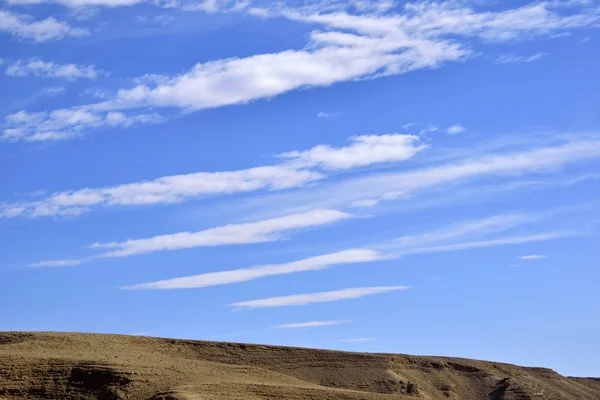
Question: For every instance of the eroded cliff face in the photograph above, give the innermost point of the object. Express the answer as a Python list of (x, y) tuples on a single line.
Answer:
[(111, 367)]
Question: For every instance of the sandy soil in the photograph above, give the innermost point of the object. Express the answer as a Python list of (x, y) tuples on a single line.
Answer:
[(111, 367)]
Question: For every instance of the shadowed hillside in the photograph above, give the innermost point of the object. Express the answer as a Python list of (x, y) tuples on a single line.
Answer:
[(89, 366)]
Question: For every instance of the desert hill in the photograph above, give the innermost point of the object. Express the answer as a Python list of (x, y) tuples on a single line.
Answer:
[(110, 367)]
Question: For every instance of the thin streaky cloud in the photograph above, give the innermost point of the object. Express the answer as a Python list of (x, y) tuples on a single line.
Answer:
[(480, 227), (351, 256), (489, 243), (533, 257), (311, 324), (56, 263), (455, 129), (449, 238), (79, 4), (269, 230), (295, 171), (66, 124), (514, 59), (365, 150), (322, 297), (393, 186), (47, 69), (24, 27), (429, 129), (167, 189), (366, 203), (425, 35), (323, 114)]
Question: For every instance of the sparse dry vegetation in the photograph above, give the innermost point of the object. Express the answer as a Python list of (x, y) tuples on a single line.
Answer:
[(110, 367)]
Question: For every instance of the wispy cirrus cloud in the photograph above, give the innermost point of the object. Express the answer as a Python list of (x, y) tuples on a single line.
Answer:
[(514, 59), (365, 150), (167, 189), (502, 241), (323, 114), (359, 192), (322, 297), (209, 6), (45, 69), (455, 129), (57, 263), (351, 256), (297, 170), (473, 234), (311, 324), (372, 189), (464, 235), (480, 227), (533, 257), (67, 123), (349, 46), (25, 27), (252, 232), (78, 4), (269, 230)]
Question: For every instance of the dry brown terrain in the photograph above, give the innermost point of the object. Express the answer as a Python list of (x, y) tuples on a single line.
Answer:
[(88, 366)]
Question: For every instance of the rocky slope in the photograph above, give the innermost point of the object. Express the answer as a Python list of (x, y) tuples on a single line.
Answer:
[(111, 367)]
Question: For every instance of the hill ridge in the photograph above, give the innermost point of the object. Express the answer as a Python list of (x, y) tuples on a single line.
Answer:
[(86, 366)]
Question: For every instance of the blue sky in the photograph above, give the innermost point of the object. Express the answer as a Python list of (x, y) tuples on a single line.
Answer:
[(369, 176)]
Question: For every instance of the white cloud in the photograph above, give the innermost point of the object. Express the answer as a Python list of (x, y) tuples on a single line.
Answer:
[(349, 47), (351, 256), (24, 27), (450, 238), (37, 67), (269, 230), (66, 123), (467, 235), (480, 227), (454, 129), (533, 257), (96, 93), (408, 125), (167, 189), (539, 237), (53, 91), (428, 129), (209, 6), (323, 297), (514, 59), (365, 150), (390, 186), (585, 40), (56, 263), (353, 340), (11, 211), (241, 80), (176, 188), (78, 4), (312, 324), (323, 114), (366, 203)]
